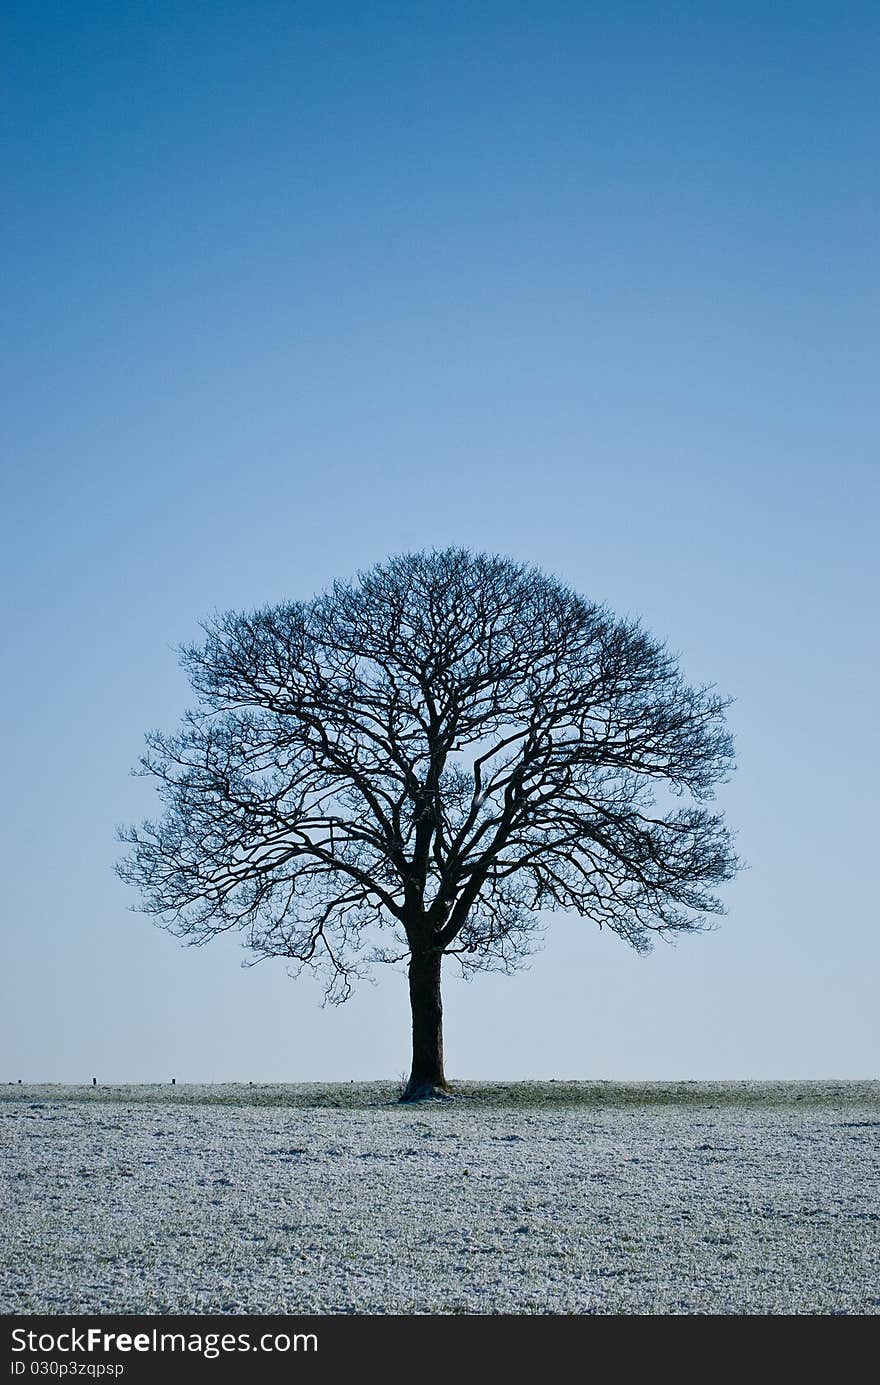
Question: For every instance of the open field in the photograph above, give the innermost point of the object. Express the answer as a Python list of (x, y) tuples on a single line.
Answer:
[(519, 1198)]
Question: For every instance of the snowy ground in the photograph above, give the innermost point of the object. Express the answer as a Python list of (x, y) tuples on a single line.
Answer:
[(528, 1198)]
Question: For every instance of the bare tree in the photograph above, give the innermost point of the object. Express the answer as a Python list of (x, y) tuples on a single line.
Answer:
[(414, 765)]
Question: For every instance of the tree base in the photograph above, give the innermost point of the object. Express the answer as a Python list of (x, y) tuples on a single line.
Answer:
[(425, 1091)]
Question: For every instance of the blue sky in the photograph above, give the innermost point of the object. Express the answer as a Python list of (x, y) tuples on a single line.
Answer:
[(293, 286)]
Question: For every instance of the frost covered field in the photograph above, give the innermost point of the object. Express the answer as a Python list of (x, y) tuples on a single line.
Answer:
[(528, 1198)]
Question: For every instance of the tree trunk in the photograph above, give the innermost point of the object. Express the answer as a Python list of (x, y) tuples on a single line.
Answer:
[(427, 1078)]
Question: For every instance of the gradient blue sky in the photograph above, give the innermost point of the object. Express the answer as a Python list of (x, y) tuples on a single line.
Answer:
[(290, 286)]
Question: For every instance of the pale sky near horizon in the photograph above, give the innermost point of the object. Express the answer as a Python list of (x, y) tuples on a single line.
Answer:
[(292, 286)]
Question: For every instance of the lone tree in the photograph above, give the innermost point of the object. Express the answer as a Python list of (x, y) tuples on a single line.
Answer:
[(413, 765)]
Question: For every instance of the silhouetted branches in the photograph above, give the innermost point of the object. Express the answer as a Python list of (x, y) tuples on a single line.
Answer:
[(424, 760)]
